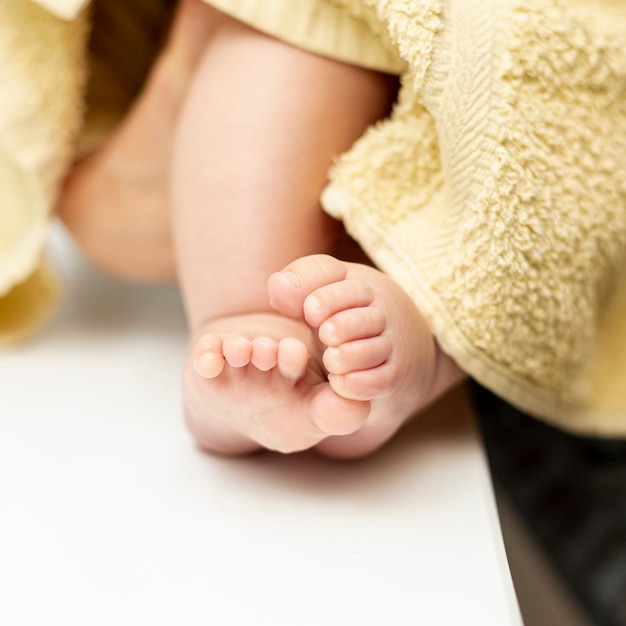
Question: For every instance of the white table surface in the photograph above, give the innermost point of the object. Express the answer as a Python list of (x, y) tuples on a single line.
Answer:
[(110, 515)]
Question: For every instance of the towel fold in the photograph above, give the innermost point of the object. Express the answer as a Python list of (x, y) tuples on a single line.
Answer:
[(42, 75), (495, 194)]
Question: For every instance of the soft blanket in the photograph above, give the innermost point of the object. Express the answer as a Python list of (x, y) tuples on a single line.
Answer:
[(495, 193)]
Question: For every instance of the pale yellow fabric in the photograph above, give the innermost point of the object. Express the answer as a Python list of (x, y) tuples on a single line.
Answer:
[(65, 9), (496, 192), (47, 57), (496, 195), (320, 27), (24, 220), (29, 305), (42, 72)]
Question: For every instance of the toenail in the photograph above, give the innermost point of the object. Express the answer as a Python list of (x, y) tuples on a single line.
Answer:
[(330, 328), (291, 278), (208, 365), (332, 354), (313, 304)]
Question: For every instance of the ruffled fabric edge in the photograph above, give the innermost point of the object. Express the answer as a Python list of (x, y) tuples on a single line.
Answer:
[(319, 27), (512, 246), (29, 305)]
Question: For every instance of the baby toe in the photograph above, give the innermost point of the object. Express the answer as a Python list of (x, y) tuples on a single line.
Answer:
[(339, 296), (335, 415), (292, 357), (362, 354), (264, 353), (237, 348), (376, 383), (358, 323), (207, 356), (289, 288)]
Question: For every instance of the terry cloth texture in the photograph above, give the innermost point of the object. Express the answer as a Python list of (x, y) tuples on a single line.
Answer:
[(67, 78), (495, 194), (42, 71)]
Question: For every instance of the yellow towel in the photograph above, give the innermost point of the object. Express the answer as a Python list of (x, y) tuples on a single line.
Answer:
[(62, 92), (496, 192), (496, 195), (42, 72)]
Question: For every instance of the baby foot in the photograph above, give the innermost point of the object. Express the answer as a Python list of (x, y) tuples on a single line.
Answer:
[(115, 201), (262, 388), (377, 347)]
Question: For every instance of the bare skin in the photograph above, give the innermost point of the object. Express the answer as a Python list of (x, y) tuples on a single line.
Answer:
[(116, 201), (367, 364), (341, 357)]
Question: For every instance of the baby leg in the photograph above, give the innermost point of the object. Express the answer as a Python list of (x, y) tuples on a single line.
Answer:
[(377, 348), (258, 132), (115, 201)]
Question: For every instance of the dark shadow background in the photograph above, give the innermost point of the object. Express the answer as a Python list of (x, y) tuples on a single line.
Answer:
[(571, 493)]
